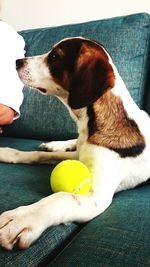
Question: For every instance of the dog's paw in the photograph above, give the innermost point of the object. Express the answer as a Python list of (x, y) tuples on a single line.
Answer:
[(59, 146), (9, 155), (20, 227)]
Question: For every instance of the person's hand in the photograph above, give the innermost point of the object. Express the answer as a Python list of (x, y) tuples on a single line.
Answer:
[(6, 115)]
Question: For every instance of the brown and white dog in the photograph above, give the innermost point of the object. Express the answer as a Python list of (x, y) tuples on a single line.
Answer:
[(114, 137)]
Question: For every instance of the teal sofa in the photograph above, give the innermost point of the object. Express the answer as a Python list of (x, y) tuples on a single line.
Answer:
[(121, 235)]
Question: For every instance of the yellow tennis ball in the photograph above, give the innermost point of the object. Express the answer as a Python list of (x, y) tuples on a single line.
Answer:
[(71, 176)]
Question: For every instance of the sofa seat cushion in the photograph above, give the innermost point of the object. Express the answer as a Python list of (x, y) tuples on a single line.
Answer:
[(119, 237), (22, 184)]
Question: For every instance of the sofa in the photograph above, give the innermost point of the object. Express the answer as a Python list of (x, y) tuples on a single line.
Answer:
[(120, 236)]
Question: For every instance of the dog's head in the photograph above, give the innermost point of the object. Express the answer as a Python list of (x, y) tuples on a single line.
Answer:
[(76, 69)]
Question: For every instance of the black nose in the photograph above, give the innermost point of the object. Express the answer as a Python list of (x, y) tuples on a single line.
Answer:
[(19, 63)]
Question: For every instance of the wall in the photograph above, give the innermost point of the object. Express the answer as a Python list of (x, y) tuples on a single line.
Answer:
[(23, 14)]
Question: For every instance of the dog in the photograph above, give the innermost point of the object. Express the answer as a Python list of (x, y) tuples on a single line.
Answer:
[(113, 142)]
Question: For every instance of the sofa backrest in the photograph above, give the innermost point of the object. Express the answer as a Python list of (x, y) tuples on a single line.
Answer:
[(127, 40)]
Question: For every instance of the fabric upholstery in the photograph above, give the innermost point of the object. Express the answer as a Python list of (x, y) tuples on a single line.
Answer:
[(119, 237), (22, 185)]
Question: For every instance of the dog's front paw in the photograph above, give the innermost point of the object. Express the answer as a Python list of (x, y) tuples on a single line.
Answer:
[(59, 146), (50, 146), (20, 227)]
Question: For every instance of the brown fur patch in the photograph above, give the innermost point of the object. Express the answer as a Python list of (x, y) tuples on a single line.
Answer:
[(93, 75), (109, 125), (65, 81)]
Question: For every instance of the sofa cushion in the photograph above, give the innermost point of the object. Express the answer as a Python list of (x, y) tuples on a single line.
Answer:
[(119, 237), (127, 40), (22, 184)]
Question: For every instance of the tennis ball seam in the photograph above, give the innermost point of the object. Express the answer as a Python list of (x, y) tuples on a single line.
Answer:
[(81, 184)]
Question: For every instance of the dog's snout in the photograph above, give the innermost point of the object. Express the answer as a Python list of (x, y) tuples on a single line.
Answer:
[(20, 63)]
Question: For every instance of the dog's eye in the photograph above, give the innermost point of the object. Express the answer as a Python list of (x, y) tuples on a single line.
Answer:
[(53, 58)]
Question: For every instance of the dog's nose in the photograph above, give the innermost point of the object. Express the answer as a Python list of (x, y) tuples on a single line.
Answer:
[(19, 63)]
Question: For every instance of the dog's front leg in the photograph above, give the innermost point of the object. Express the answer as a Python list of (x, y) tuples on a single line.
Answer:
[(22, 226), (11, 155), (59, 146)]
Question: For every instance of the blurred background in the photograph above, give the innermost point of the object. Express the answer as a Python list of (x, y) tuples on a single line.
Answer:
[(26, 14)]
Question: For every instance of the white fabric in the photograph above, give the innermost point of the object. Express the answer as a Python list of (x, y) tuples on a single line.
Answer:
[(11, 48)]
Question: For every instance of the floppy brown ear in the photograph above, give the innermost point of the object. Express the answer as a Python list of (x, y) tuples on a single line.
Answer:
[(92, 77)]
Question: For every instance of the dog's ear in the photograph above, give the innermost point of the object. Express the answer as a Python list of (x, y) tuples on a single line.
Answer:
[(93, 75)]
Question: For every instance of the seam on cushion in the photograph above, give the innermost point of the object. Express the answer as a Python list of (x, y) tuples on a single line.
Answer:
[(147, 82), (144, 67), (50, 259)]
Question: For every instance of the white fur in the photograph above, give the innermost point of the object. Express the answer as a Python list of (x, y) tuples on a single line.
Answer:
[(63, 146)]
